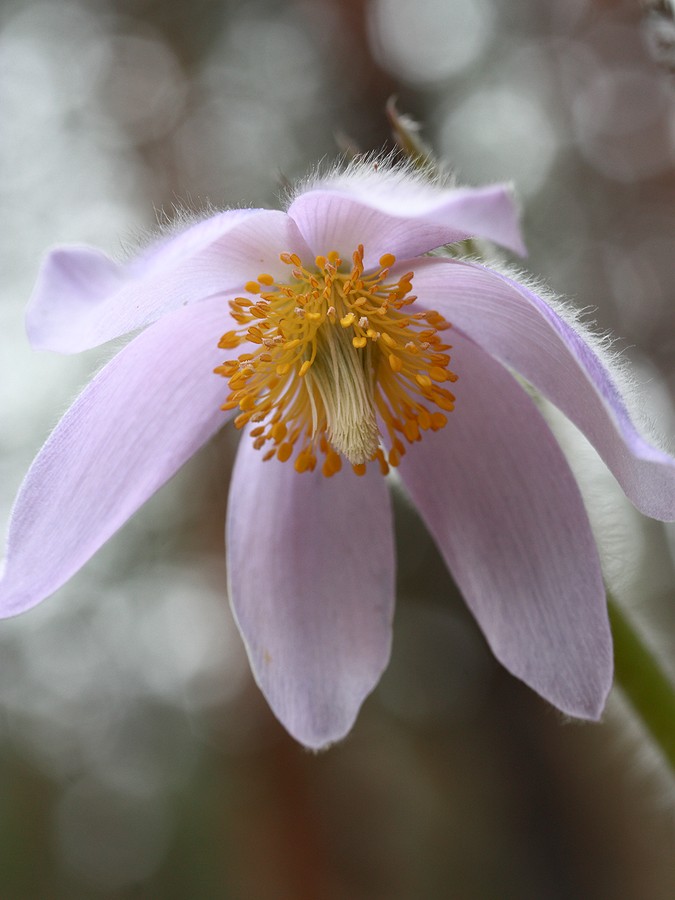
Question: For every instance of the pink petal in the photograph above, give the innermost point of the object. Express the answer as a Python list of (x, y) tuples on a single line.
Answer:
[(406, 219), (82, 298), (129, 431), (519, 328), (311, 563), (505, 511)]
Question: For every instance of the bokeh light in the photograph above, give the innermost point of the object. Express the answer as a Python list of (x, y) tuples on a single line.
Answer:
[(138, 756), (430, 41)]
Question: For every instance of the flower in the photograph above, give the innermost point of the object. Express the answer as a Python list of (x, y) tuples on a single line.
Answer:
[(325, 330)]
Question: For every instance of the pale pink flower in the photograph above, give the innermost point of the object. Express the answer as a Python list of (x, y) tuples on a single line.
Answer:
[(335, 370)]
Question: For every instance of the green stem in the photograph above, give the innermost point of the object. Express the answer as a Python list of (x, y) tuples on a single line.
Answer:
[(648, 688)]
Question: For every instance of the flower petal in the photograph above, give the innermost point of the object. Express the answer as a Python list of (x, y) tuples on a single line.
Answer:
[(405, 217), (128, 432), (82, 298), (526, 334), (311, 565), (498, 497)]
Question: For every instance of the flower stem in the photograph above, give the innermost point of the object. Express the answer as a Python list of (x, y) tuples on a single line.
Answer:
[(648, 688)]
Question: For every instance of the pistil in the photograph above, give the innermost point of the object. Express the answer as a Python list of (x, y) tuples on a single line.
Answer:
[(332, 351)]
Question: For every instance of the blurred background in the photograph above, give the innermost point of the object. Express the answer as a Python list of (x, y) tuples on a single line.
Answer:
[(137, 758)]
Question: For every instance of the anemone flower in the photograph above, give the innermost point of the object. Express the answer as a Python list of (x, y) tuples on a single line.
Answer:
[(325, 331)]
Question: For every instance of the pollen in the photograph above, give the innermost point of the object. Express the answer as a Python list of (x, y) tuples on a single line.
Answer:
[(335, 364)]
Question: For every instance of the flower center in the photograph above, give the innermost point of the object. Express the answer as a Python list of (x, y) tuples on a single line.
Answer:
[(334, 352)]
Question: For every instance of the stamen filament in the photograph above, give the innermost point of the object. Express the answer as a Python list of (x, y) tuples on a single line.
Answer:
[(331, 352)]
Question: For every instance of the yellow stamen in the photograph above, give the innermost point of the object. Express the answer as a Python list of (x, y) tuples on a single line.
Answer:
[(335, 366)]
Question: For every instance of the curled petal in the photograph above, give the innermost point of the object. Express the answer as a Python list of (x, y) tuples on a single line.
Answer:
[(129, 431), (311, 566), (498, 497), (512, 323), (82, 298), (406, 218)]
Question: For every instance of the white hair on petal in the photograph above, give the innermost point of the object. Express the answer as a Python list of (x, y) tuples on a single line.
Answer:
[(391, 171), (384, 171), (170, 222), (603, 344)]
